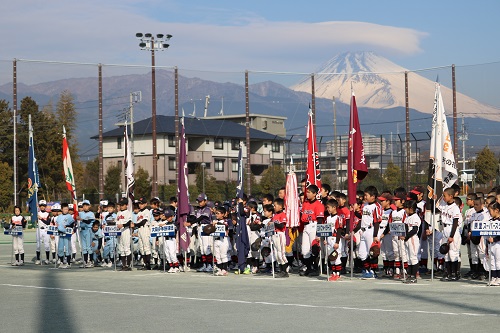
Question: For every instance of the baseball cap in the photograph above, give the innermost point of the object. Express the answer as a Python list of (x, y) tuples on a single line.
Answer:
[(168, 212), (418, 190), (201, 197), (56, 207), (142, 200), (80, 204), (157, 211), (103, 202), (85, 202), (123, 201), (385, 196), (42, 203), (71, 206)]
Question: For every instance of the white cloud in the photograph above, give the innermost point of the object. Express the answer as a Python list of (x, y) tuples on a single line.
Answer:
[(103, 32)]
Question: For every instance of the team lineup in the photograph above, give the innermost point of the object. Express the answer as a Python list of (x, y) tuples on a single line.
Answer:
[(332, 238)]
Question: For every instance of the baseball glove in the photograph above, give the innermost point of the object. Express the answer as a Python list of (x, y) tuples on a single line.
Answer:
[(256, 245), (375, 250), (444, 248), (208, 229), (265, 252), (333, 256)]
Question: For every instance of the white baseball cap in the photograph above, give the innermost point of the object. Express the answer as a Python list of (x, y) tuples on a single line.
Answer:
[(70, 206), (42, 203), (56, 206)]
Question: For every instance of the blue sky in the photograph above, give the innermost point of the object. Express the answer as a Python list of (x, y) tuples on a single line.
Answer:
[(260, 35)]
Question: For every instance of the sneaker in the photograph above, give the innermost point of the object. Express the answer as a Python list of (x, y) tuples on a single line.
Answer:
[(247, 271), (255, 269), (222, 272), (175, 270), (455, 277), (445, 278), (411, 280), (418, 276), (63, 266), (209, 269), (20, 263), (181, 269), (15, 263), (494, 282), (171, 270), (264, 265), (367, 275), (202, 268), (283, 274), (38, 262), (90, 264), (334, 277), (53, 261), (58, 261), (46, 262)]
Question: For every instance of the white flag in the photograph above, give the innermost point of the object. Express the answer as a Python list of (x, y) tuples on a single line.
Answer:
[(445, 169)]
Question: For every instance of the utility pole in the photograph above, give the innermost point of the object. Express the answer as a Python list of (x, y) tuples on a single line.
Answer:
[(335, 146), (463, 136)]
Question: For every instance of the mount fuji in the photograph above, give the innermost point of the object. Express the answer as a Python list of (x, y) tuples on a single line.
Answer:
[(379, 83)]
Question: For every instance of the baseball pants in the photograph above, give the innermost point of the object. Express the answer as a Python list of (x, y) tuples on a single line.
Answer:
[(308, 236)]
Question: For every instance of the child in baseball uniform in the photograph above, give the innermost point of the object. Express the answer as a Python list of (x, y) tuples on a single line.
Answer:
[(370, 221), (412, 224), (279, 238), (169, 242), (398, 215), (386, 250), (75, 235), (143, 225), (221, 243), (477, 243), (41, 235), (124, 223), (204, 217), (313, 213), (471, 197), (18, 221), (494, 246), (450, 218), (86, 218), (334, 242), (96, 237), (109, 241), (64, 222)]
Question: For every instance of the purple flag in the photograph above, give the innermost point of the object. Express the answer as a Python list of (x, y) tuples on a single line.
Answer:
[(182, 191)]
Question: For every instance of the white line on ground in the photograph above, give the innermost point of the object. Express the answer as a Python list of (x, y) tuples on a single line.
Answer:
[(260, 303)]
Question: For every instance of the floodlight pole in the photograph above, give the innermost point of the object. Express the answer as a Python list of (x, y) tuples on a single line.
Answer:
[(149, 43)]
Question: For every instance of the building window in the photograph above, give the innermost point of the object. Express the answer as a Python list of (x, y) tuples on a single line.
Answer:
[(119, 164), (171, 141), (171, 163), (207, 141), (275, 147), (219, 143), (234, 165), (218, 165), (235, 144), (119, 142)]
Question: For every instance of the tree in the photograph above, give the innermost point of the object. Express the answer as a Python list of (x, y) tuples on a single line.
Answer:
[(213, 189), (486, 166), (392, 176), (112, 181), (6, 184), (273, 178), (66, 114), (374, 178), (142, 183)]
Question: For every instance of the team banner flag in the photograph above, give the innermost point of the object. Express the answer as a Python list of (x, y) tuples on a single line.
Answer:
[(242, 242), (291, 199), (356, 162), (182, 191), (442, 168), (33, 177), (68, 171), (128, 164), (313, 173)]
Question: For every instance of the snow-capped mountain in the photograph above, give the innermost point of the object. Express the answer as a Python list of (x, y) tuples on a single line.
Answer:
[(379, 83)]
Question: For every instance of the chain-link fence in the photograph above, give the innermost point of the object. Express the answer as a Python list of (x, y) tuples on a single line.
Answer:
[(392, 136)]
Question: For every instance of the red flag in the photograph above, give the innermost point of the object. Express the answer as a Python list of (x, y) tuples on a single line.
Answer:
[(68, 172), (313, 174), (356, 162)]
